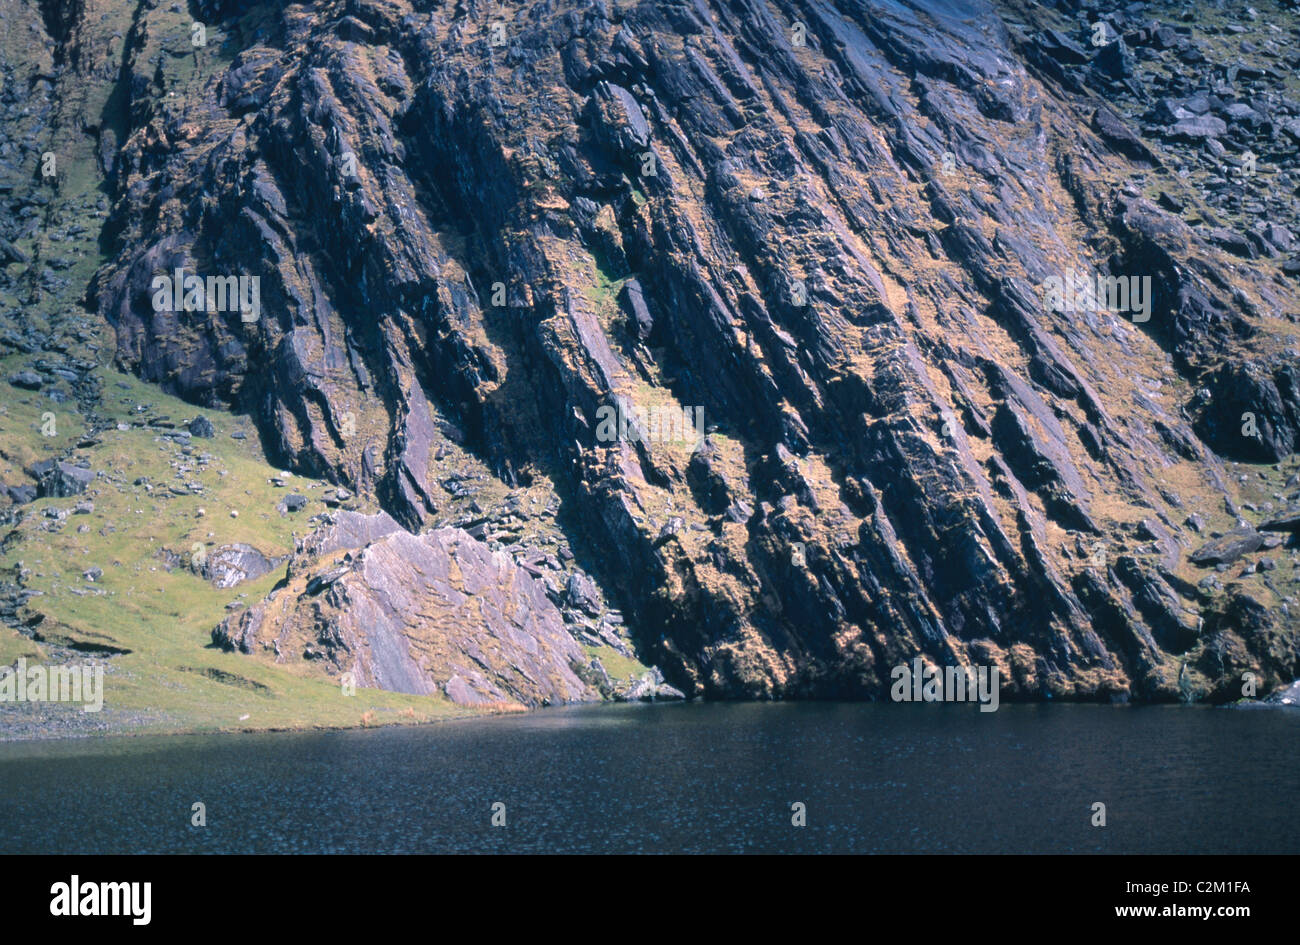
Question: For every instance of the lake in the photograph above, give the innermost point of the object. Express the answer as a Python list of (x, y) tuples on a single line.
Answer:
[(872, 778)]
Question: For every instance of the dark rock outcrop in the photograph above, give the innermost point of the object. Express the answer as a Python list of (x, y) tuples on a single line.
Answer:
[(59, 479), (1288, 521), (1228, 548), (809, 258)]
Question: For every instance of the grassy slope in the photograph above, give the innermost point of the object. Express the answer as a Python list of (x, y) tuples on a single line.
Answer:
[(172, 679)]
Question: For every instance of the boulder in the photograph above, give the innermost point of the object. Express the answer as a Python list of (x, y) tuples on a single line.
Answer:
[(1288, 521), (21, 494), (27, 380), (633, 301), (56, 479), (1114, 60), (1198, 128), (233, 564), (582, 594), (1115, 132), (1228, 548)]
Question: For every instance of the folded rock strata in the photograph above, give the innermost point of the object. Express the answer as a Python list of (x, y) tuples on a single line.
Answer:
[(436, 612), (835, 248)]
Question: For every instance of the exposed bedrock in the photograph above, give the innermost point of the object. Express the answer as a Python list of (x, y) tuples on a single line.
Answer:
[(417, 614), (500, 219)]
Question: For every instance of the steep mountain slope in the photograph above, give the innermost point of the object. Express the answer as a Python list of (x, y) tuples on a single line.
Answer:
[(808, 244)]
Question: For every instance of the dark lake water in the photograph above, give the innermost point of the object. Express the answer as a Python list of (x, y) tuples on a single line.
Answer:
[(683, 778)]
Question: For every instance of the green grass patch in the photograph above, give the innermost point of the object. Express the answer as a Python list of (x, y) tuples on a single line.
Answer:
[(618, 666), (160, 610)]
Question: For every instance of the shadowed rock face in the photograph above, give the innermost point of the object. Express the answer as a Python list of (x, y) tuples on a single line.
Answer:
[(837, 249)]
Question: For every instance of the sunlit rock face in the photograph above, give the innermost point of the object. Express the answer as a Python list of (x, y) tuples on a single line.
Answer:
[(845, 332), (422, 614)]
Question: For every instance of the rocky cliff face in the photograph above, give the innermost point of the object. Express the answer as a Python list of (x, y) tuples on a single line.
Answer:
[(828, 259), (433, 613)]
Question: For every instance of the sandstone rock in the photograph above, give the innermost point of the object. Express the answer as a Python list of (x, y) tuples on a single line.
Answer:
[(347, 530), (868, 342), (424, 614)]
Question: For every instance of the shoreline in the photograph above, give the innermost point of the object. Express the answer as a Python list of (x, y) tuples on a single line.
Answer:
[(470, 715)]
